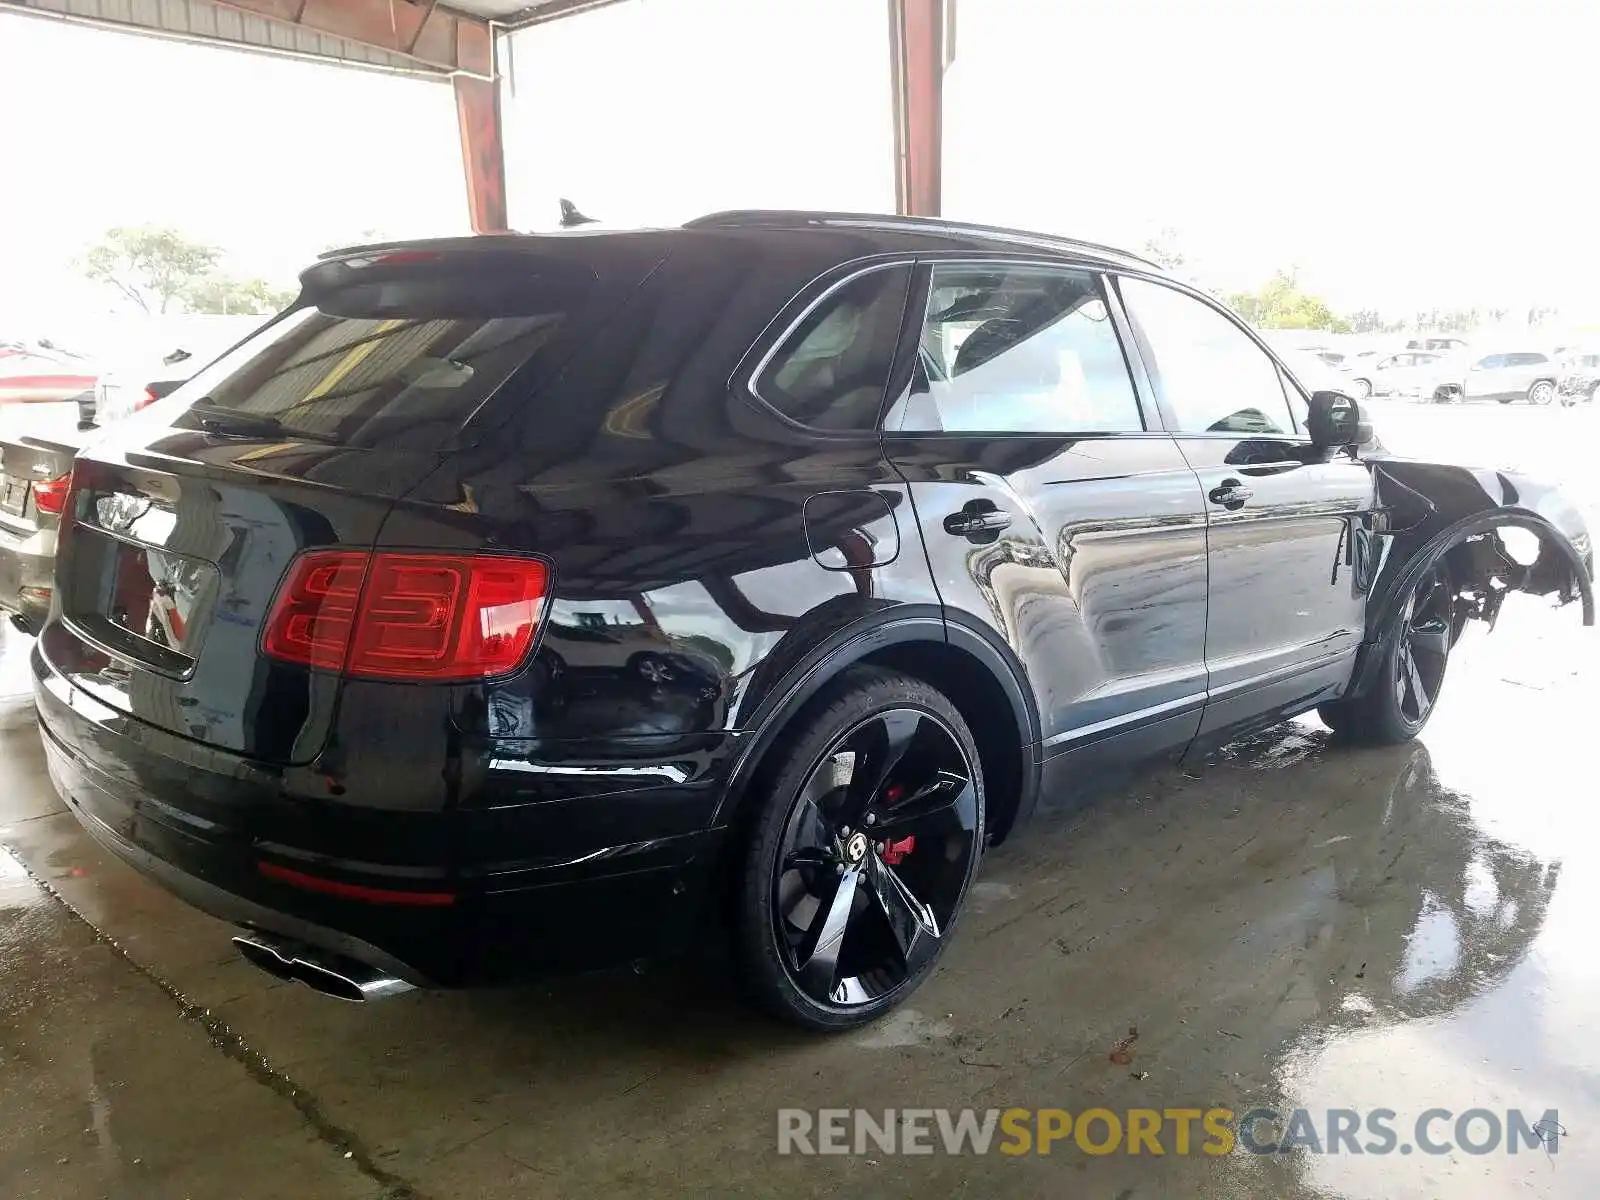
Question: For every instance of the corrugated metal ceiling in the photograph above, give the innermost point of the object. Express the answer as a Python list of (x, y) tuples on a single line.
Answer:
[(198, 20)]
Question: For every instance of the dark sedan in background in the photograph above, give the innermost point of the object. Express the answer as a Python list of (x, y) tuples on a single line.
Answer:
[(527, 601)]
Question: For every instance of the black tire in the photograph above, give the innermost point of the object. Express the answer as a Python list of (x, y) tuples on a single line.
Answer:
[(1416, 654), (1541, 392), (913, 790)]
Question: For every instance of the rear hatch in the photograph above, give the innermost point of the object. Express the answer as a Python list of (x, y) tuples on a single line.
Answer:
[(186, 516)]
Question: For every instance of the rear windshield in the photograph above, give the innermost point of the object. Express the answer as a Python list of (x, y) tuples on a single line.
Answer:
[(393, 361)]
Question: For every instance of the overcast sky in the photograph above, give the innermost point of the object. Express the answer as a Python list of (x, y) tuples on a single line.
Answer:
[(1399, 154)]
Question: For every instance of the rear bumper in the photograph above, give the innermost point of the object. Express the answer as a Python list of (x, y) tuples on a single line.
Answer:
[(27, 561), (160, 813)]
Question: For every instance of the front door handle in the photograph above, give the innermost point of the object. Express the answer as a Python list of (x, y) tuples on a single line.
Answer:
[(979, 520), (1230, 493)]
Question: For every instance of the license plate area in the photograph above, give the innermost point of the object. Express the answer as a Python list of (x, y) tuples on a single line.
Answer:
[(139, 601), (13, 495)]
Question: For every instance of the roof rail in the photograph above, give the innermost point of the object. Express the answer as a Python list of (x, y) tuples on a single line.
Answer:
[(779, 218)]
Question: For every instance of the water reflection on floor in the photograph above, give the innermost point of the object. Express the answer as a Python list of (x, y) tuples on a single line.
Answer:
[(1291, 924)]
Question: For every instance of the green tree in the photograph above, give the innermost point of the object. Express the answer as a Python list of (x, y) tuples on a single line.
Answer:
[(1164, 250), (1370, 320), (219, 293), (151, 265), (1280, 304)]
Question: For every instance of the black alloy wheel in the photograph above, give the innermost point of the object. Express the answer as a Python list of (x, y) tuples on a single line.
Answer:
[(1423, 648), (861, 862), (1396, 707)]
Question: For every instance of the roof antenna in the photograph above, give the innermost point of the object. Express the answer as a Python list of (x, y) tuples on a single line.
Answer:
[(571, 218)]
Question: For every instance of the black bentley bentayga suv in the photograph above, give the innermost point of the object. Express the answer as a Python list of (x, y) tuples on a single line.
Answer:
[(520, 601)]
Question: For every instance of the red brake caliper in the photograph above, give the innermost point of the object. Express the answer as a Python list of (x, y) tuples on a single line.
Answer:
[(893, 852)]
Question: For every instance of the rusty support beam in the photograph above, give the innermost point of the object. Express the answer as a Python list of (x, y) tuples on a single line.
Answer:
[(434, 35), (919, 46), (483, 157)]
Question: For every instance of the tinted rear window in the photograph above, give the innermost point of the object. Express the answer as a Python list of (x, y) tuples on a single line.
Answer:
[(402, 359)]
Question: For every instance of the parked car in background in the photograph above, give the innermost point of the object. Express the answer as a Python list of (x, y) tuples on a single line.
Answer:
[(118, 392), (1438, 344), (40, 373), (1403, 374), (137, 377), (34, 475), (872, 532), (1504, 376), (1579, 379)]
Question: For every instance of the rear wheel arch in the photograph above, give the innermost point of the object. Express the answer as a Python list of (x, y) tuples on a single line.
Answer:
[(984, 685)]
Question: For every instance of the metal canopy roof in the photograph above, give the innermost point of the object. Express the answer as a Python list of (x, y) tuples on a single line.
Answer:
[(455, 40), (417, 37), (413, 36)]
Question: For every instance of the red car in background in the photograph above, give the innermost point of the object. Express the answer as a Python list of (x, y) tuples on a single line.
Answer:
[(39, 373)]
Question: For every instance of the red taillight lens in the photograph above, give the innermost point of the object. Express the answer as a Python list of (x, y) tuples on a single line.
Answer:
[(50, 495), (316, 609), (145, 400), (430, 617)]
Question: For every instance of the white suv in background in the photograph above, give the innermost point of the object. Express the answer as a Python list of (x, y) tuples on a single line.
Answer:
[(1504, 376), (1404, 374)]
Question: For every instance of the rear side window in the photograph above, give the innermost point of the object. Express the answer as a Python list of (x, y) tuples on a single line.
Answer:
[(1526, 359), (401, 359), (831, 371)]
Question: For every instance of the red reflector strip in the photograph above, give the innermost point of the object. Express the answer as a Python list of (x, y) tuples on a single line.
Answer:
[(354, 891)]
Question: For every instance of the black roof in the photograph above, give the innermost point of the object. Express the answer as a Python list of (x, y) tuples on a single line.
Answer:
[(956, 234), (871, 232)]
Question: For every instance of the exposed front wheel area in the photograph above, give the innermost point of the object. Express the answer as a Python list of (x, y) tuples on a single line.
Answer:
[(1401, 700), (1542, 392), (861, 859), (1423, 649)]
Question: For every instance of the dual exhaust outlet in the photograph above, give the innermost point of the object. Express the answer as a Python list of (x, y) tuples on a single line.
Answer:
[(331, 974)]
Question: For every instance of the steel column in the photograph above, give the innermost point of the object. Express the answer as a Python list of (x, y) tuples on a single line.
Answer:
[(920, 41), (483, 157)]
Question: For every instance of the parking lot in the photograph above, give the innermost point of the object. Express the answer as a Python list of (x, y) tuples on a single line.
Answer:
[(1289, 924)]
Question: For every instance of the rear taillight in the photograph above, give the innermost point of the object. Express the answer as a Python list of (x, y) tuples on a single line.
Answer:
[(146, 399), (423, 617), (50, 495)]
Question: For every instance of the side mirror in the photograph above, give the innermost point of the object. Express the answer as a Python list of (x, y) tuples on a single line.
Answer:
[(164, 387), (1336, 421)]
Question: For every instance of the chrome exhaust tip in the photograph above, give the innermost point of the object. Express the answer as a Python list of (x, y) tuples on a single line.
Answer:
[(332, 975)]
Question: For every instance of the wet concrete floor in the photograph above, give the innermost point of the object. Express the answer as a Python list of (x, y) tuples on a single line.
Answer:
[(1290, 924)]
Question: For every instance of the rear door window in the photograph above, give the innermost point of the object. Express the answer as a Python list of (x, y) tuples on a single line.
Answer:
[(1018, 349)]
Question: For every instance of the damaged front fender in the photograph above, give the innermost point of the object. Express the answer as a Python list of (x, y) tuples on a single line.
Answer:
[(1427, 513)]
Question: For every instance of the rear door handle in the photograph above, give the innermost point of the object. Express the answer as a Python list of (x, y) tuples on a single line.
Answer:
[(1230, 493), (977, 519)]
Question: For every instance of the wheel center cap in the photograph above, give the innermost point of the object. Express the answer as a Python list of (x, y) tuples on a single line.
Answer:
[(856, 848)]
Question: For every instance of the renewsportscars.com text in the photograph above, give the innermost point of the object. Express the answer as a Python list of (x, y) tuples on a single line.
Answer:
[(1160, 1131)]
